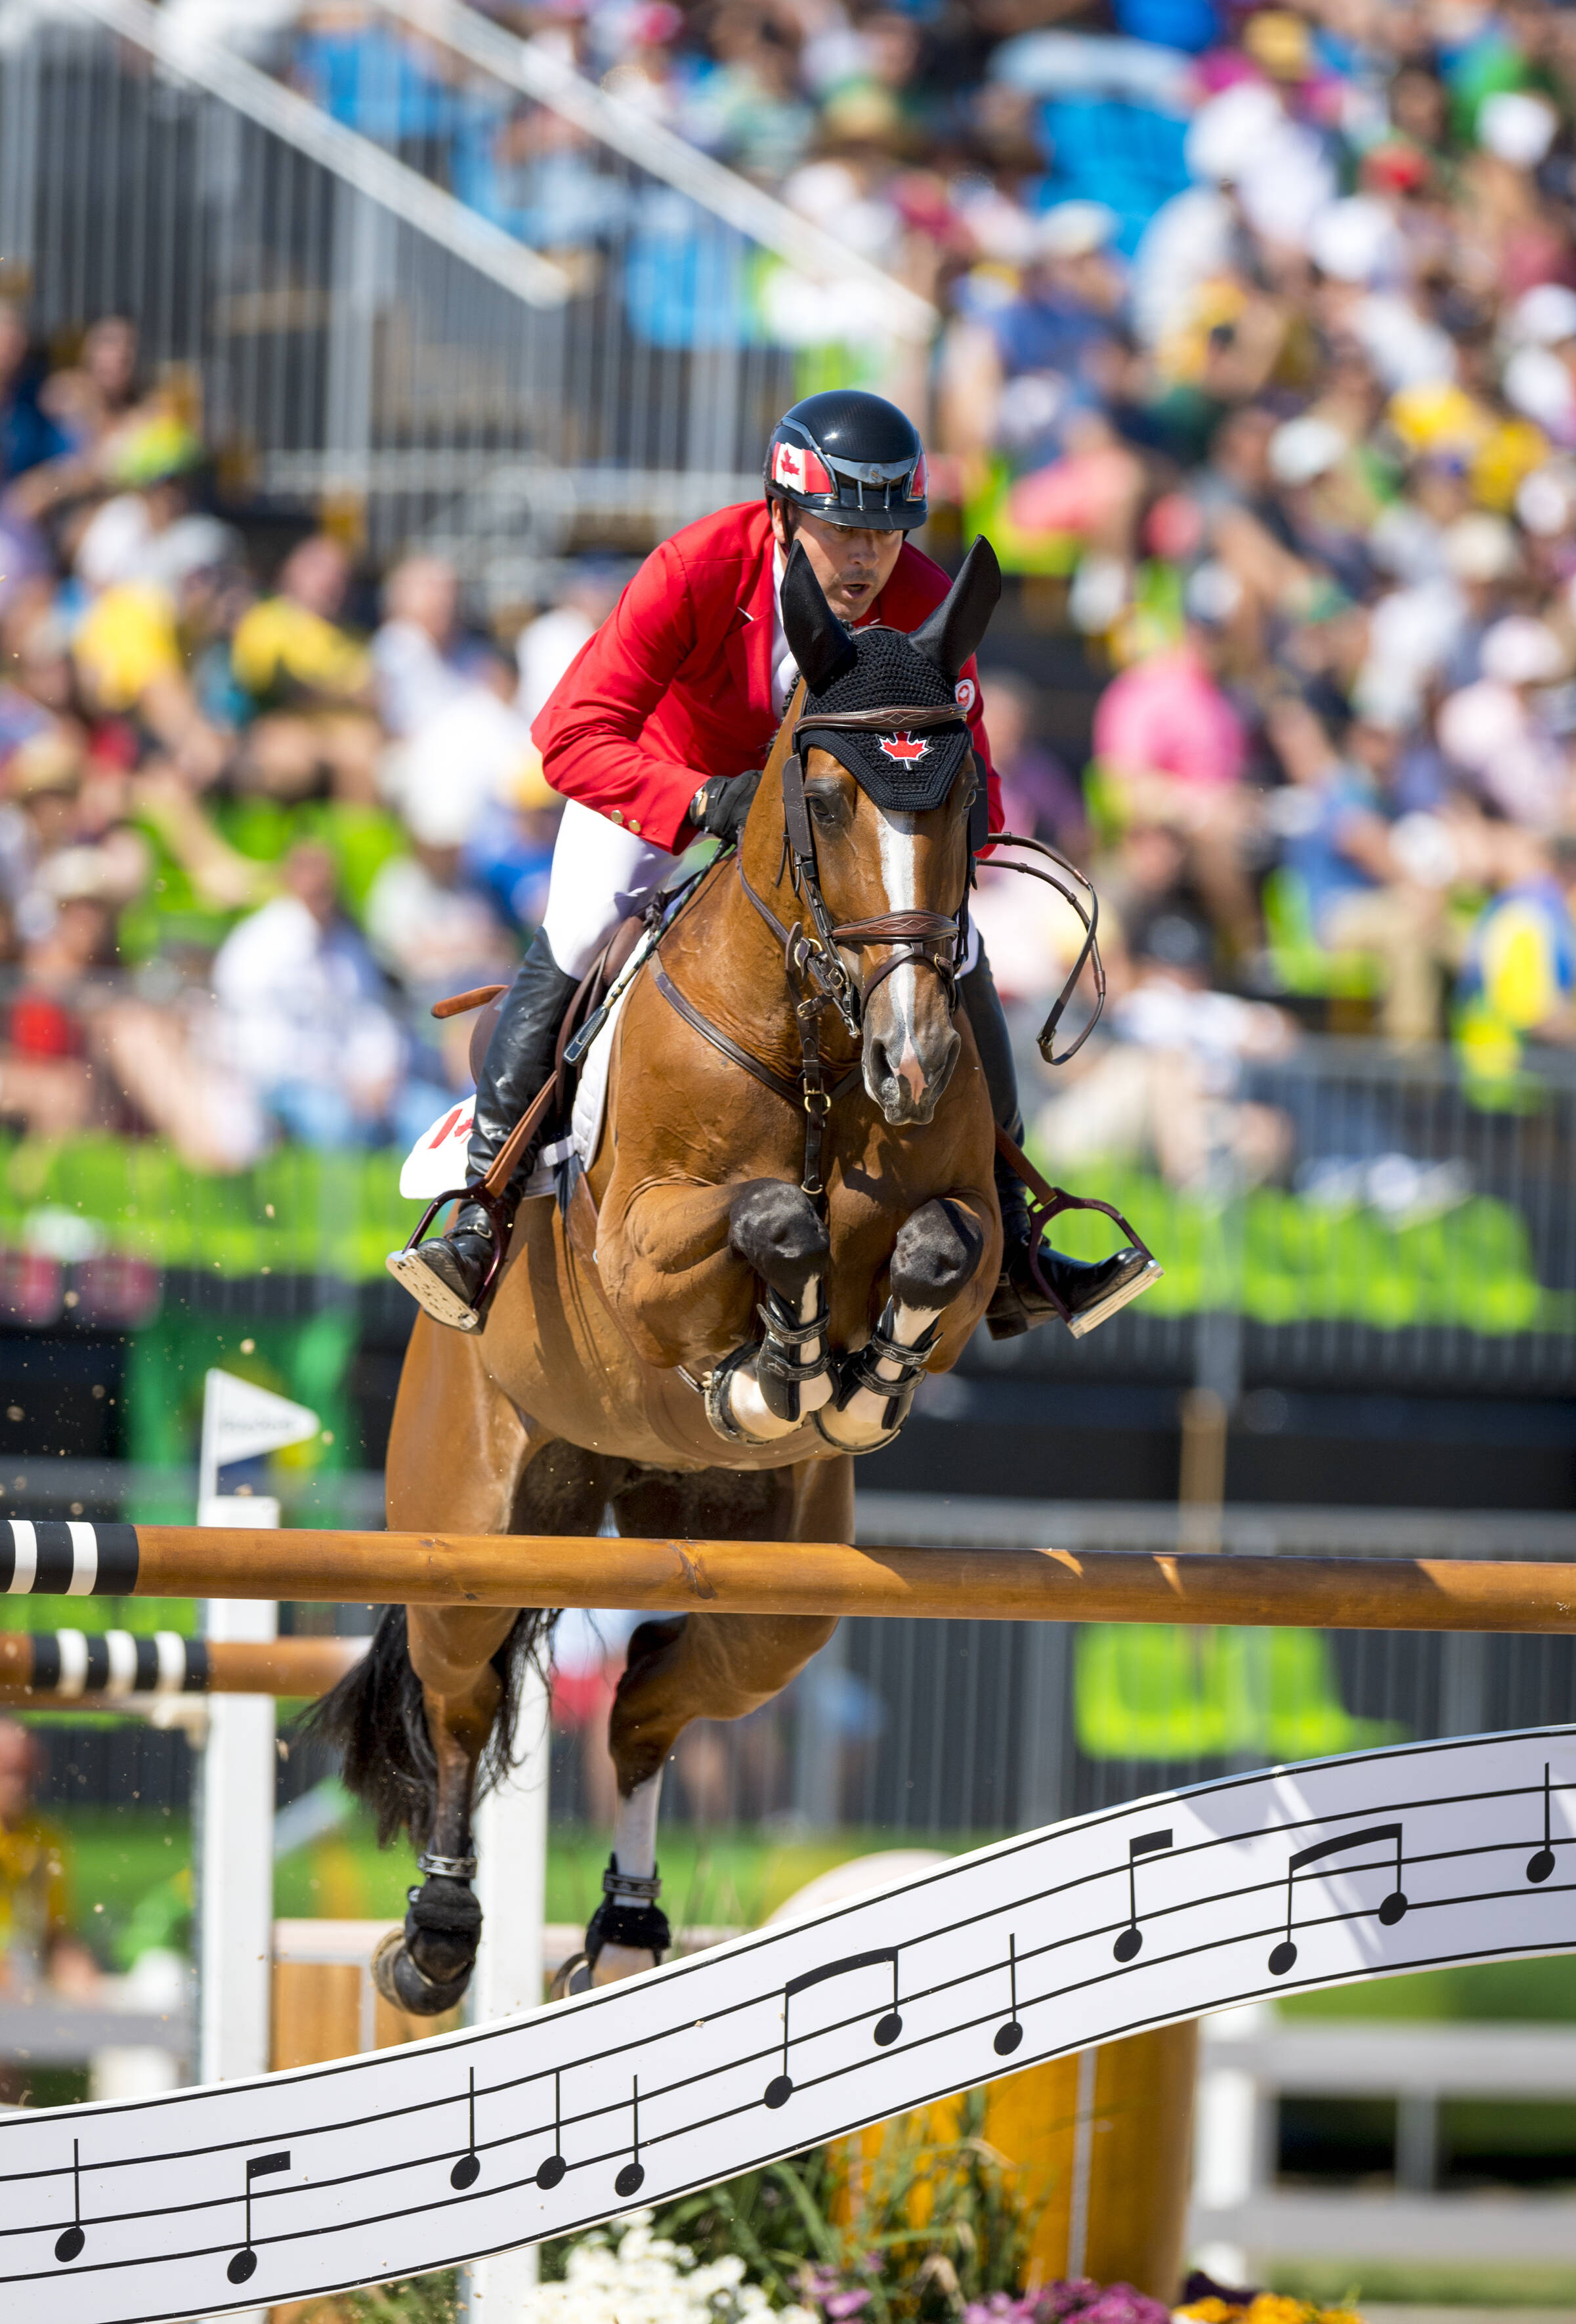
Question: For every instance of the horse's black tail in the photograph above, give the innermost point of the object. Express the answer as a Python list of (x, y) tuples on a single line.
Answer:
[(376, 1719)]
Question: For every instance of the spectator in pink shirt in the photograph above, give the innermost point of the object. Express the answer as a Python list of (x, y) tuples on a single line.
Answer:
[(1172, 752)]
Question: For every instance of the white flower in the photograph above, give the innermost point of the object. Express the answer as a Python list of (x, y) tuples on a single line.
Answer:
[(649, 2280)]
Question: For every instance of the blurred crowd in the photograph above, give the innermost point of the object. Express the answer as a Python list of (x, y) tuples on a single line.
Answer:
[(1258, 364), (258, 809)]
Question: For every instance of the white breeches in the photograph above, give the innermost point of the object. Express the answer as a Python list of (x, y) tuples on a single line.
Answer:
[(600, 874)]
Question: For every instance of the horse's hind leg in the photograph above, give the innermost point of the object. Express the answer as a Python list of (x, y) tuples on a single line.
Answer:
[(416, 1716), (426, 1965), (455, 1652), (700, 1666)]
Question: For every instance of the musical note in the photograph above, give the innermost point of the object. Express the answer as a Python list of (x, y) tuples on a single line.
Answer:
[(1130, 1944), (1540, 1866), (1393, 1908), (258, 2166), (780, 2088), (554, 2168), (468, 2169), (633, 2177), (69, 2245), (1010, 2035)]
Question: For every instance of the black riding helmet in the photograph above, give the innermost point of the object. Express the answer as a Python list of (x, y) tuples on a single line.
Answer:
[(849, 458)]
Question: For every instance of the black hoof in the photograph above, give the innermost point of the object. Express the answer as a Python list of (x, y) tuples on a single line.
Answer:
[(426, 1966), (402, 1985), (629, 1915)]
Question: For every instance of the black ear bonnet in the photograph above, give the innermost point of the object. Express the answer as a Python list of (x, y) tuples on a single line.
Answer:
[(905, 769)]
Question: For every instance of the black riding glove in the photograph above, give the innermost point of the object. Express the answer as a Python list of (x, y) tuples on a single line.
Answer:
[(720, 805)]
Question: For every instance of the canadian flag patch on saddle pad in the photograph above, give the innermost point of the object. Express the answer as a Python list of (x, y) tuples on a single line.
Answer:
[(436, 1162)]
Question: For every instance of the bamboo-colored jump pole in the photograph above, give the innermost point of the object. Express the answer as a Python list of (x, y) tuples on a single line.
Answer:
[(45, 1667), (788, 1577)]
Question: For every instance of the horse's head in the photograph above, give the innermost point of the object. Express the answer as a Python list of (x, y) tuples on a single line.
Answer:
[(886, 811)]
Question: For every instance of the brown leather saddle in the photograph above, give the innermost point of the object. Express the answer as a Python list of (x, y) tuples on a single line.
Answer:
[(551, 1102)]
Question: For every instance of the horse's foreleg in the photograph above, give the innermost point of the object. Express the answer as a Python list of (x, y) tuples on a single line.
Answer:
[(936, 1255), (681, 1264), (766, 1387)]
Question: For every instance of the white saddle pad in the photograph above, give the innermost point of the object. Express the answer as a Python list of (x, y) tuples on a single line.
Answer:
[(436, 1162)]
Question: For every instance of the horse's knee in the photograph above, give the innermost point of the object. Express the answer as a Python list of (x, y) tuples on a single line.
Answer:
[(702, 1666), (776, 1230), (937, 1253), (460, 1723)]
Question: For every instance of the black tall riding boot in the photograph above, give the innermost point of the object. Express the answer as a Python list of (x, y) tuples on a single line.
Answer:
[(444, 1275), (1091, 1290)]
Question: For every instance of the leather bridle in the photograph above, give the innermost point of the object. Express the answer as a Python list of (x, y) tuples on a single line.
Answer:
[(817, 975), (935, 940)]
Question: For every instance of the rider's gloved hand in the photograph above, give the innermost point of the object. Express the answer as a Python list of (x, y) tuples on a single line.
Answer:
[(720, 805)]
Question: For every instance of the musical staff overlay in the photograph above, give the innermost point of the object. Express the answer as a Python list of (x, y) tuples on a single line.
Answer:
[(390, 2165)]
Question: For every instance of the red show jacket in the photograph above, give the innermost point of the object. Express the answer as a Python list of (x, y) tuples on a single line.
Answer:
[(675, 686)]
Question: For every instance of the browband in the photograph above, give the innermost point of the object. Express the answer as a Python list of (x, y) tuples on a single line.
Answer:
[(892, 714)]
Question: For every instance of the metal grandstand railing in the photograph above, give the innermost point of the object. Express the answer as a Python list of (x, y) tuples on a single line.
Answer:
[(1421, 1234), (479, 299)]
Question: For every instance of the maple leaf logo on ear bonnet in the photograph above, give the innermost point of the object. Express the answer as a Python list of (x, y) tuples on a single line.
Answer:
[(905, 748)]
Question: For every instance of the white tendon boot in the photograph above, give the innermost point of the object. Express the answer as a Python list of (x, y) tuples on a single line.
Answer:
[(627, 1932), (880, 1378), (763, 1392)]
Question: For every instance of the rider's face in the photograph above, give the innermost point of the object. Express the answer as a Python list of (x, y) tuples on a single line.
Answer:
[(853, 565)]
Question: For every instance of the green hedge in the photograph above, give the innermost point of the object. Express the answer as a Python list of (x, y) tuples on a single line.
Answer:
[(1274, 1256), (1281, 1258)]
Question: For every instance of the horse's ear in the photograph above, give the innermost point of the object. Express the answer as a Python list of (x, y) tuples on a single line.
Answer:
[(948, 637), (816, 639)]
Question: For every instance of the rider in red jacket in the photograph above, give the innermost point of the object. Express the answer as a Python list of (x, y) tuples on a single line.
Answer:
[(656, 734), (686, 673)]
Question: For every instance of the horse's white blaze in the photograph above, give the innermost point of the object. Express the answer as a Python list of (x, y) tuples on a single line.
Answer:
[(899, 847)]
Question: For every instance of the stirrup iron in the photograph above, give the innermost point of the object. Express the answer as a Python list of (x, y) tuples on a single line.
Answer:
[(431, 1293)]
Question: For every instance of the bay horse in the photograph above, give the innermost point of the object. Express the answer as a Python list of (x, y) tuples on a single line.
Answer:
[(790, 1217)]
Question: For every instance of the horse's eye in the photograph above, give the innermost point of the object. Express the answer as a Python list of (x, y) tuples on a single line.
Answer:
[(827, 806)]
